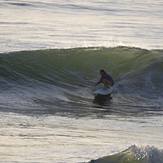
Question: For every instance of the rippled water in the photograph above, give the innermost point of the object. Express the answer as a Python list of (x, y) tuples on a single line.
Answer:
[(61, 139), (47, 112), (46, 104), (26, 24)]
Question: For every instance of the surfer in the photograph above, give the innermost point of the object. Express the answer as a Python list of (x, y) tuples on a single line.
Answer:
[(106, 79)]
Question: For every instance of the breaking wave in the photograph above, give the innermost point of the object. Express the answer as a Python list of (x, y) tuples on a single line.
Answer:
[(134, 154), (63, 79)]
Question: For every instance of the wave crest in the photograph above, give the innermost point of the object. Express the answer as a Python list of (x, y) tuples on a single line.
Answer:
[(65, 78), (134, 154)]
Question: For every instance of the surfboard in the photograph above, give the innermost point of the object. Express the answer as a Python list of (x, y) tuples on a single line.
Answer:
[(103, 91), (102, 95)]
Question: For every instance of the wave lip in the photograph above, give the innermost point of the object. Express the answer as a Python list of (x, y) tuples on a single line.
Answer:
[(134, 154)]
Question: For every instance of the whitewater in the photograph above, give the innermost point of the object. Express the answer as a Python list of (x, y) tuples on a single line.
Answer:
[(50, 55)]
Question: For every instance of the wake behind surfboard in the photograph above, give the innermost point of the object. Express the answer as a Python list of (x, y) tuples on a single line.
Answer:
[(102, 95)]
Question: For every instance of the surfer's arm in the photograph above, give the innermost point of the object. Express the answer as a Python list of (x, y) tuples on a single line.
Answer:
[(97, 83), (100, 81)]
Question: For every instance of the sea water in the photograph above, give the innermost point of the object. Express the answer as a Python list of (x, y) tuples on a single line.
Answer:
[(40, 24), (51, 53)]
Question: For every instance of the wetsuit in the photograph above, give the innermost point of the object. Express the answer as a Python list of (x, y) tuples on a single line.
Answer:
[(107, 80)]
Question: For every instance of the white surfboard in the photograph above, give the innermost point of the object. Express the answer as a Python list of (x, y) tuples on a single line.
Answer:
[(103, 91)]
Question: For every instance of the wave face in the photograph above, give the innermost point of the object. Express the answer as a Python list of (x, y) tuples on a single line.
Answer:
[(134, 154), (62, 80)]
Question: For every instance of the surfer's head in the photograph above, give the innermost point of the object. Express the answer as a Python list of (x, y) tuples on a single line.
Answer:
[(102, 72)]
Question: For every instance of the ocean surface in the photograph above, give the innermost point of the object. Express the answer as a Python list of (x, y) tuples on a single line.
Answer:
[(50, 55)]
